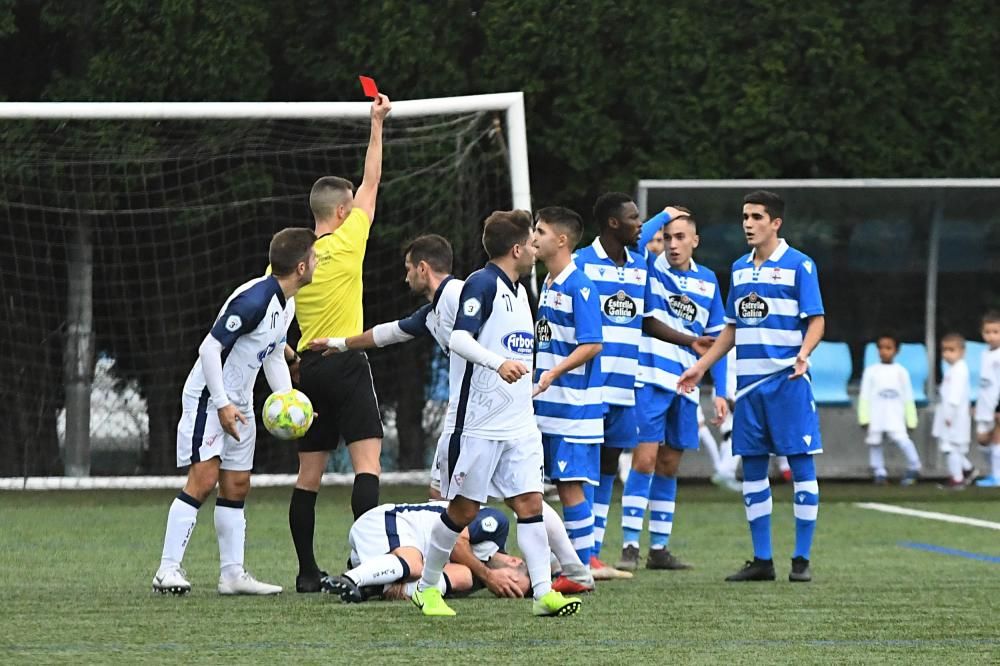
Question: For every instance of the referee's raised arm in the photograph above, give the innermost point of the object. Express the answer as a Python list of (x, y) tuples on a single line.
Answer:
[(368, 190), (340, 386)]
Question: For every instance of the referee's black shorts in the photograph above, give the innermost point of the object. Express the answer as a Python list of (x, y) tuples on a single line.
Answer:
[(343, 395)]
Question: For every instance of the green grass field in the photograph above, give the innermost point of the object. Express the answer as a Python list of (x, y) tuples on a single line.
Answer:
[(75, 572)]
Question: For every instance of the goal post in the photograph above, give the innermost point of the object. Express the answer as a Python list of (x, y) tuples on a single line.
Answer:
[(66, 201)]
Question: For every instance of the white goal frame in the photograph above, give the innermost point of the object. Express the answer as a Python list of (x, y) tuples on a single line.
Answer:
[(510, 103)]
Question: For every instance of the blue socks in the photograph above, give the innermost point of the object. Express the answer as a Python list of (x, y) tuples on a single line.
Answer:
[(806, 502), (662, 495), (602, 502), (757, 502), (635, 496), (580, 527)]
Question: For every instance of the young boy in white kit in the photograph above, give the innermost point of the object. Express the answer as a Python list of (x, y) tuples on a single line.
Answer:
[(887, 409), (987, 432), (952, 418)]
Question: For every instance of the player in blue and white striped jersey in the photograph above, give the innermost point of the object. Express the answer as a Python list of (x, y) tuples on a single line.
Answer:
[(569, 406), (619, 271), (686, 297), (775, 317), (217, 432)]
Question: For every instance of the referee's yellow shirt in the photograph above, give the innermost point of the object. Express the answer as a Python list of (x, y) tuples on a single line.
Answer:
[(330, 306)]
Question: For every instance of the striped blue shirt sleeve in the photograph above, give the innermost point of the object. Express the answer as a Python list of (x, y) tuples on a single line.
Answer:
[(651, 226), (587, 317), (716, 322), (807, 279), (242, 316)]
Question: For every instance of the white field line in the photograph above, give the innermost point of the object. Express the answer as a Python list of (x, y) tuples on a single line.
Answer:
[(930, 515)]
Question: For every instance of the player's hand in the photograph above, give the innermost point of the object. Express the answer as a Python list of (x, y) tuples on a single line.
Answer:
[(674, 213), (504, 583), (544, 382), (702, 344), (689, 379), (721, 410), (801, 367), (381, 106), (228, 416), (328, 345), (511, 371)]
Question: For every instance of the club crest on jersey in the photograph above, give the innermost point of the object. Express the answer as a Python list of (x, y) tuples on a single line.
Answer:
[(620, 309), (519, 342), (888, 394), (776, 275), (683, 307), (558, 301), (752, 309), (543, 334)]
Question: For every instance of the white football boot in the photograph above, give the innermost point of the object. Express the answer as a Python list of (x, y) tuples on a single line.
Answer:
[(171, 581), (246, 584)]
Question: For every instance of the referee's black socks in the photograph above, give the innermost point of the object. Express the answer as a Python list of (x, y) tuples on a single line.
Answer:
[(302, 521), (364, 496)]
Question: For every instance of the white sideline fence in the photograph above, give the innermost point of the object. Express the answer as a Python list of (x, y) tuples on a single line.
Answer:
[(411, 477)]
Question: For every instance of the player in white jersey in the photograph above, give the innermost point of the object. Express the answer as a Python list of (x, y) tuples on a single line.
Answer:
[(388, 545), (494, 443), (987, 399), (217, 431), (887, 409), (952, 419), (428, 264)]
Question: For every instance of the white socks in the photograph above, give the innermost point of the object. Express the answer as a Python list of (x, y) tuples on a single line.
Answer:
[(180, 524), (955, 460), (559, 542), (231, 529), (380, 570), (443, 537), (876, 459), (534, 543)]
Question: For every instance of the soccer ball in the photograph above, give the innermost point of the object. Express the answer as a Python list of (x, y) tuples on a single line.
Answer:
[(288, 415)]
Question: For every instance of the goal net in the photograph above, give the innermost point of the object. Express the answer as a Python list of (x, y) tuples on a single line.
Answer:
[(122, 236)]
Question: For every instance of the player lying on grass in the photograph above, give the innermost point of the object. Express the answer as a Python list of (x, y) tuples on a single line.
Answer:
[(388, 544), (427, 261)]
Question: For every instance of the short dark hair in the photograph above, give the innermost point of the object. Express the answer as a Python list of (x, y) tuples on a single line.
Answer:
[(772, 203), (504, 229), (609, 205), (688, 215), (289, 247), (991, 317), (889, 335), (327, 193), (953, 336), (569, 221), (434, 249)]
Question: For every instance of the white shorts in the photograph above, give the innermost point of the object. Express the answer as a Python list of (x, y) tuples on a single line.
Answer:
[(379, 532), (945, 446), (492, 468), (875, 436), (200, 437)]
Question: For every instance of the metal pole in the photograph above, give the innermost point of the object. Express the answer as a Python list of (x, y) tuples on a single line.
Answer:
[(930, 313), (642, 201), (78, 369)]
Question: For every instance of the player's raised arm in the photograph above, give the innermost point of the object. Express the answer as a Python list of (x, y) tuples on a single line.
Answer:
[(368, 190)]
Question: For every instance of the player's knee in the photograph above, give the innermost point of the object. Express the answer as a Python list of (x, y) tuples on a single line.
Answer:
[(311, 469), (527, 505), (644, 458), (366, 456), (201, 481), (234, 486), (462, 511)]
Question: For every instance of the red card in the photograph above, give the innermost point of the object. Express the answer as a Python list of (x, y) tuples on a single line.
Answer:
[(368, 86)]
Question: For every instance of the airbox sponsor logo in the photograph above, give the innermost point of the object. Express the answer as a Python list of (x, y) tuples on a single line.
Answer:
[(519, 342)]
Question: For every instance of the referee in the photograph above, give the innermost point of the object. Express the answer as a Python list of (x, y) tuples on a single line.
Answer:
[(340, 385)]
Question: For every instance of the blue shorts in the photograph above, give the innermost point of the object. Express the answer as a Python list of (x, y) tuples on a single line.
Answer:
[(666, 417), (621, 431), (778, 417), (569, 461)]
